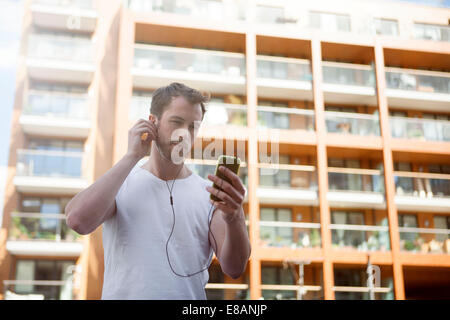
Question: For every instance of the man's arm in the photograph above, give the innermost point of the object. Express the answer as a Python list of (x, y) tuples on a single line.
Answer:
[(228, 236), (92, 206)]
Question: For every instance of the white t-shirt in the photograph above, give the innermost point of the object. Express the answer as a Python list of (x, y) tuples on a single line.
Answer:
[(134, 239)]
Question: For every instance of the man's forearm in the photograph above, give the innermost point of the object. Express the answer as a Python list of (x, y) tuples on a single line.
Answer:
[(236, 248)]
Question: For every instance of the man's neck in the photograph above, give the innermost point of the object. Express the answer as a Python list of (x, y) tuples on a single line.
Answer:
[(163, 169)]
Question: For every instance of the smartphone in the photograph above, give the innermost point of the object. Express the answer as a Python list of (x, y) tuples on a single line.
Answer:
[(232, 163)]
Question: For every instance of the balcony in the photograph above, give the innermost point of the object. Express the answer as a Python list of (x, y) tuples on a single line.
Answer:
[(418, 89), (225, 121), (42, 234), (347, 83), (424, 240), (77, 15), (362, 293), (431, 32), (280, 77), (287, 184), (60, 58), (291, 292), (227, 291), (354, 187), (360, 237), (352, 123), (208, 70), (422, 191), (289, 120), (420, 129), (38, 289), (289, 234), (204, 9), (56, 114), (53, 172)]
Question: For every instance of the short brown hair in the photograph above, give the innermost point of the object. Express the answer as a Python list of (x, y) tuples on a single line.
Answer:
[(162, 97)]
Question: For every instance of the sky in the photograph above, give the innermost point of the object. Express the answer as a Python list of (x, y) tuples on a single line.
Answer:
[(10, 26)]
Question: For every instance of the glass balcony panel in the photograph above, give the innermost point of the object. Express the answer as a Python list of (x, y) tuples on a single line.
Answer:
[(424, 129), (340, 181), (348, 75), (220, 114), (59, 48), (56, 105), (45, 163), (352, 123), (424, 240), (189, 60), (412, 80), (283, 68), (285, 118)]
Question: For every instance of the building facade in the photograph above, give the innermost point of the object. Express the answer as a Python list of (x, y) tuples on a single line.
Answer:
[(354, 97)]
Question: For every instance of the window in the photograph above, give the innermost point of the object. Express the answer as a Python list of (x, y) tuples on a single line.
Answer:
[(403, 185), (442, 222), (277, 275), (265, 14), (329, 21), (408, 221), (385, 27)]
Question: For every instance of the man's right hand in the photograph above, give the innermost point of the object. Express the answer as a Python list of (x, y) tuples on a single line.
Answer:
[(137, 146)]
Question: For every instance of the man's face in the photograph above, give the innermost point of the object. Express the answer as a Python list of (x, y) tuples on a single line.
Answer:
[(179, 118)]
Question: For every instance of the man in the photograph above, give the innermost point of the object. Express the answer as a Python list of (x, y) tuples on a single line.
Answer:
[(159, 226)]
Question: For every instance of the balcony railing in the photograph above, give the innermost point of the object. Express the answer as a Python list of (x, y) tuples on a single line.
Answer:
[(423, 129), (431, 32), (424, 240), (46, 163), (348, 74), (355, 179), (225, 114), (41, 226), (283, 68), (38, 289), (360, 237), (291, 292), (418, 80), (285, 118), (215, 10), (206, 166), (79, 4), (362, 293), (225, 64), (227, 291), (421, 184), (60, 48), (352, 123), (287, 176), (57, 105), (289, 234)]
